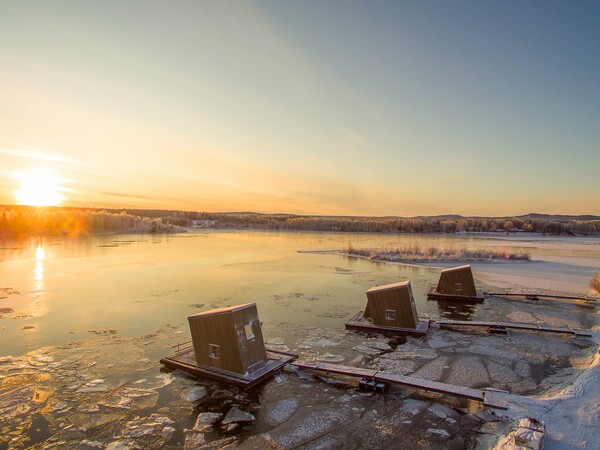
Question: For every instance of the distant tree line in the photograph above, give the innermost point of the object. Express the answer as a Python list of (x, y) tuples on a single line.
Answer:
[(405, 225), (16, 221), (24, 220)]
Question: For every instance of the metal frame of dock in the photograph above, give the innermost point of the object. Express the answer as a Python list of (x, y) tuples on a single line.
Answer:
[(358, 322), (497, 326), (535, 296), (433, 295), (489, 397), (185, 360)]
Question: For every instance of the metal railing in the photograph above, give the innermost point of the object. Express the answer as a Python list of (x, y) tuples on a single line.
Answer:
[(182, 347)]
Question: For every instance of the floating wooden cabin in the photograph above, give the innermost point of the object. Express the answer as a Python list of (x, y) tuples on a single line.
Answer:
[(390, 309), (227, 345), (229, 338), (456, 284)]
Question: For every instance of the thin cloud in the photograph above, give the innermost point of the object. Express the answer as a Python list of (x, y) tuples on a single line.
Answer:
[(39, 155), (126, 195)]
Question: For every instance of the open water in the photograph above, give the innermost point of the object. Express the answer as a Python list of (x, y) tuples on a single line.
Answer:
[(61, 289), (85, 322)]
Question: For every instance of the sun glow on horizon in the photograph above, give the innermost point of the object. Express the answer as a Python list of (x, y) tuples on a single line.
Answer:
[(39, 188)]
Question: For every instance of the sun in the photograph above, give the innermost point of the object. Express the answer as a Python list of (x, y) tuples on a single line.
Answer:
[(39, 188)]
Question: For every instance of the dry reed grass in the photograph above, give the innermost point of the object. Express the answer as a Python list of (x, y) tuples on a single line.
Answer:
[(595, 282), (414, 253)]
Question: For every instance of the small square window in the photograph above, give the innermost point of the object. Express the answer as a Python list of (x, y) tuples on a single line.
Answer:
[(249, 331), (458, 287), (390, 314), (213, 351)]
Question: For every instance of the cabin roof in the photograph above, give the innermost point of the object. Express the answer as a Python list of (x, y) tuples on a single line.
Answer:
[(452, 269), (227, 310), (388, 287)]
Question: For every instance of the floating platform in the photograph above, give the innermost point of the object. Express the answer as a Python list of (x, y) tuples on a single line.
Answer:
[(499, 326), (185, 360), (358, 322), (433, 295), (489, 397)]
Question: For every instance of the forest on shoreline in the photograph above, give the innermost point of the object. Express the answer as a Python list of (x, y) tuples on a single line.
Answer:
[(18, 221), (553, 225)]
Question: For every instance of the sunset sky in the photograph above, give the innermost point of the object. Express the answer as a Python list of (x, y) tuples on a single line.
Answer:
[(354, 108)]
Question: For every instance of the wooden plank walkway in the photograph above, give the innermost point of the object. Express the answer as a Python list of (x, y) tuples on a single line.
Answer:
[(335, 368), (433, 295), (536, 296), (186, 361), (492, 398), (513, 325), (358, 322), (431, 386)]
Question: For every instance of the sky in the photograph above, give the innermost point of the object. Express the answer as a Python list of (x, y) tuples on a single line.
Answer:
[(341, 108)]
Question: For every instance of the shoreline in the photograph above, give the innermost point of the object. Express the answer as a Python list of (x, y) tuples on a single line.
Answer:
[(570, 415), (490, 235)]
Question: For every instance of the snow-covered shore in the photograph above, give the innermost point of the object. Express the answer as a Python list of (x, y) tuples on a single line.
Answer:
[(571, 415)]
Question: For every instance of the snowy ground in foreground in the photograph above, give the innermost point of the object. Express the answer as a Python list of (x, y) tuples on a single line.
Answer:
[(572, 415)]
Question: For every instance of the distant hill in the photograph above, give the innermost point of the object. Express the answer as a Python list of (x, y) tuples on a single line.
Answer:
[(191, 213), (442, 216), (529, 216), (557, 217)]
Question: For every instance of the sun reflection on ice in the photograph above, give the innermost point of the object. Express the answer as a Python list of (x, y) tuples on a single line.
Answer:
[(38, 272), (40, 253), (38, 306)]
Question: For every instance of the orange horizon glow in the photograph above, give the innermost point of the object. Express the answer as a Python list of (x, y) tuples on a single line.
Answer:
[(273, 108)]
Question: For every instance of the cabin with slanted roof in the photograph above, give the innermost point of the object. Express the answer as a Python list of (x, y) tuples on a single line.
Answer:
[(229, 338), (390, 308), (227, 345), (392, 305), (456, 284)]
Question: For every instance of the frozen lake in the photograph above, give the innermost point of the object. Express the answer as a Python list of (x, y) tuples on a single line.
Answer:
[(60, 289), (86, 322)]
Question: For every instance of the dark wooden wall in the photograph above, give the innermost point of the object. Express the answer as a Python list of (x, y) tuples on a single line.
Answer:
[(216, 329), (252, 351), (449, 278), (399, 299), (226, 329)]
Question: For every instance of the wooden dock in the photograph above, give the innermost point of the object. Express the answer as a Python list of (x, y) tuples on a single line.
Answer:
[(489, 397), (498, 326), (537, 296), (358, 322), (433, 295), (185, 360)]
